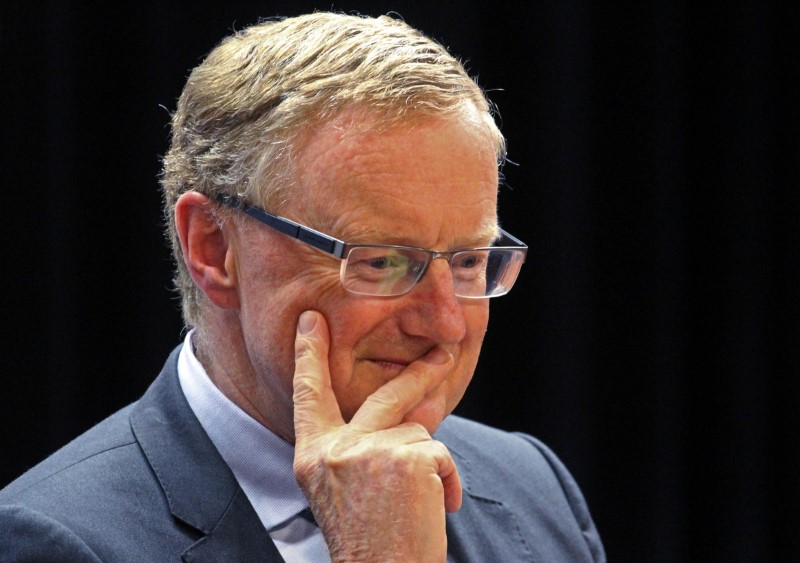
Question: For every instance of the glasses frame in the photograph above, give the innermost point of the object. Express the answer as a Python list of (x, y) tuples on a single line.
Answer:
[(340, 249)]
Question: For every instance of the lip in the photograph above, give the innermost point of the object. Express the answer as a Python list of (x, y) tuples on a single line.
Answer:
[(388, 366), (389, 363)]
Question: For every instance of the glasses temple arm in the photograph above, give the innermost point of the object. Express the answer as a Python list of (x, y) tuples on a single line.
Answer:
[(295, 230)]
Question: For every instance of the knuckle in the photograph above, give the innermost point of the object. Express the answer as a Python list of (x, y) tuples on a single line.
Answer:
[(304, 349), (440, 448), (305, 388), (417, 431), (303, 395)]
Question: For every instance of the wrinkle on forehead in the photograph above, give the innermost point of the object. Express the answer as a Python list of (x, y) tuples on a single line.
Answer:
[(366, 220), (482, 233), (357, 185)]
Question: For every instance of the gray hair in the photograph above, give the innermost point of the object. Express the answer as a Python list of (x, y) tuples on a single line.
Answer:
[(261, 88)]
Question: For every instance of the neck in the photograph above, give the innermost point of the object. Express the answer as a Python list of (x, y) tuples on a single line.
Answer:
[(221, 349)]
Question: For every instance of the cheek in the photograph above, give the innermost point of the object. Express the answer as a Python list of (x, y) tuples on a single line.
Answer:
[(357, 326), (271, 302), (354, 322)]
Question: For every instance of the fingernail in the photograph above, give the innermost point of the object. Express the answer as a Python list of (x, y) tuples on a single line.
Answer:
[(306, 322), (439, 356)]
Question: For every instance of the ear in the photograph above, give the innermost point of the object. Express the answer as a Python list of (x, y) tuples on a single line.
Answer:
[(207, 251)]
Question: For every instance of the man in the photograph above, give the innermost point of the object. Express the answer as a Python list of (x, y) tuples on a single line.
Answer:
[(330, 193)]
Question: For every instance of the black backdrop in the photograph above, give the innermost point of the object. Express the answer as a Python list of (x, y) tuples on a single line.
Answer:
[(652, 340)]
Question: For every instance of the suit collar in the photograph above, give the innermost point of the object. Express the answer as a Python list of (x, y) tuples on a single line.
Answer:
[(199, 487)]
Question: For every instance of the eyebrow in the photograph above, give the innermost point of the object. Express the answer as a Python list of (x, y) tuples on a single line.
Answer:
[(486, 237), (487, 234)]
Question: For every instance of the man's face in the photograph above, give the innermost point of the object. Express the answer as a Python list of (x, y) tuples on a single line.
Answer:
[(431, 185)]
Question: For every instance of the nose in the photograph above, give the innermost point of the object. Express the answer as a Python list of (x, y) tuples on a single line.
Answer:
[(434, 311)]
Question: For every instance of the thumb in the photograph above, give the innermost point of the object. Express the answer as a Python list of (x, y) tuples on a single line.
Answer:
[(315, 406)]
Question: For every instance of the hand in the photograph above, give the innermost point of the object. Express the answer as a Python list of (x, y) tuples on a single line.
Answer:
[(378, 487)]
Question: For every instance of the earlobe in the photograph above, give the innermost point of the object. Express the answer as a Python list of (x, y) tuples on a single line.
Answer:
[(208, 253)]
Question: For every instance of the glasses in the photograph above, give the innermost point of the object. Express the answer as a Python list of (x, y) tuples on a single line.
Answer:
[(389, 270)]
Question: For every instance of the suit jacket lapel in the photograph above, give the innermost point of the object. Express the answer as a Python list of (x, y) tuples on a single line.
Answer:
[(199, 487), (239, 536)]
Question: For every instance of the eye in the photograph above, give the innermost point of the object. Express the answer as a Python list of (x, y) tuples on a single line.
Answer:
[(388, 261), (378, 263), (469, 261), (469, 266)]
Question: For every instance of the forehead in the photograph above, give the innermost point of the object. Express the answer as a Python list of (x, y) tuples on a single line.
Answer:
[(429, 182)]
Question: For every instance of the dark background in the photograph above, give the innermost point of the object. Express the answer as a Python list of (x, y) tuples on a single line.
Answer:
[(652, 340)]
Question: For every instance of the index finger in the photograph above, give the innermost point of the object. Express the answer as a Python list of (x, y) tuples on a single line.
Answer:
[(388, 405), (315, 406)]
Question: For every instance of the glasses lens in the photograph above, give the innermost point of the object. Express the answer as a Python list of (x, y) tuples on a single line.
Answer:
[(386, 271), (376, 270), (485, 273)]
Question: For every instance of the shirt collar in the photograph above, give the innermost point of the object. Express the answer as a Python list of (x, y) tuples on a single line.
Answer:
[(260, 460)]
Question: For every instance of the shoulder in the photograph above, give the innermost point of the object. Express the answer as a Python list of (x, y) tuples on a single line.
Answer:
[(498, 463), (514, 463), (497, 450), (517, 476), (28, 535), (107, 439), (98, 459), (79, 496), (91, 480), (98, 497)]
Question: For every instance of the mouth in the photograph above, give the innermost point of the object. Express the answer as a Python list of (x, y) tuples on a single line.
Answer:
[(395, 364), (391, 365)]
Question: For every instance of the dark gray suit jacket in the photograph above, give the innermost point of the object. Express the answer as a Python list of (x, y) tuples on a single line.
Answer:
[(147, 484)]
